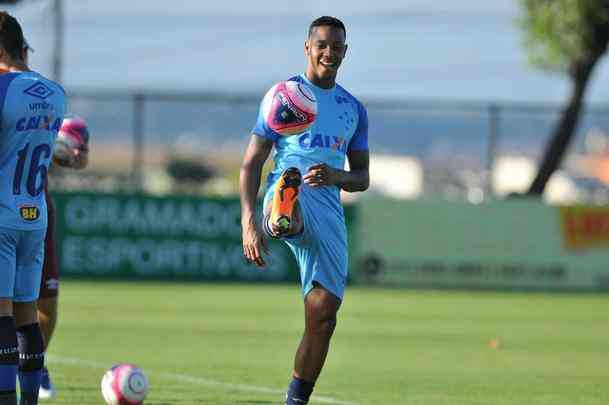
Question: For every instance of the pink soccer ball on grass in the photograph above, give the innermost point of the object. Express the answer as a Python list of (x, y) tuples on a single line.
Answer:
[(124, 384), (289, 108)]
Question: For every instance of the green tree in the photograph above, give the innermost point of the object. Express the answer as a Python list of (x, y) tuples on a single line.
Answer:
[(569, 37)]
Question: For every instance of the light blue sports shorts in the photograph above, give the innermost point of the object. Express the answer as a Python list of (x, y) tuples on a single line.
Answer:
[(321, 250), (21, 258)]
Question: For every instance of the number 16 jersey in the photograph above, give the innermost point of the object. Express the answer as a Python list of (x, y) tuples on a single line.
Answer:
[(31, 111)]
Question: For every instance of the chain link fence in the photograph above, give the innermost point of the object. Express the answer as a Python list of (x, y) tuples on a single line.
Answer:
[(163, 142)]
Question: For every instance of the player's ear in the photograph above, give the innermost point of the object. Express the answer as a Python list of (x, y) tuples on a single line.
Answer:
[(345, 51), (307, 47)]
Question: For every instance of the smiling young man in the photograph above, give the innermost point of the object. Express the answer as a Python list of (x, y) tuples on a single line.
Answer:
[(316, 232)]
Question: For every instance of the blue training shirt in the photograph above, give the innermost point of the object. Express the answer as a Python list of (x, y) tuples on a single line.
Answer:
[(341, 126), (31, 111)]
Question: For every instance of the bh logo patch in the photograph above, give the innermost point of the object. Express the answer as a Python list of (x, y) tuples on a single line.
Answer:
[(29, 213)]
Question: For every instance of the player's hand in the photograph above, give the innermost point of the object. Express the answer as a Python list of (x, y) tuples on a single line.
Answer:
[(321, 175), (254, 244)]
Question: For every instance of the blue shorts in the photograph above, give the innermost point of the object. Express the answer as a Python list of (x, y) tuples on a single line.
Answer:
[(321, 249), (21, 258)]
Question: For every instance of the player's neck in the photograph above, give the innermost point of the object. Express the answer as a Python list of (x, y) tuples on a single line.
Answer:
[(13, 67), (324, 83)]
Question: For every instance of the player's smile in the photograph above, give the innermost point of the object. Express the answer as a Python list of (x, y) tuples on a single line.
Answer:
[(326, 49), (333, 65)]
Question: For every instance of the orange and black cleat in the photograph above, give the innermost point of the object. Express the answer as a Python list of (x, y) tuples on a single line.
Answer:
[(284, 200)]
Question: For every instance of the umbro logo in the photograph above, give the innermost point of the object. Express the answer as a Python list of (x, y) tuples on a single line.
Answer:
[(39, 90)]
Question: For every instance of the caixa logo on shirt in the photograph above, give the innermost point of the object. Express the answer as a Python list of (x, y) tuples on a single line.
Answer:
[(38, 122), (29, 212), (310, 141)]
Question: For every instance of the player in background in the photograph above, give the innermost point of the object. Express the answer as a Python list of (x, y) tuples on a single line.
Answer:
[(317, 232), (31, 111), (75, 158)]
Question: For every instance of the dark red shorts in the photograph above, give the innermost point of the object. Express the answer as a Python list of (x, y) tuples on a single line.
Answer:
[(49, 285)]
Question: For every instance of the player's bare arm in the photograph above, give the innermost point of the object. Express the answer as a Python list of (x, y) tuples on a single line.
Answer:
[(355, 179), (254, 243)]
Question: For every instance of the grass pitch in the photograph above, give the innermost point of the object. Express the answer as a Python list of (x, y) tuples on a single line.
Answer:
[(234, 344)]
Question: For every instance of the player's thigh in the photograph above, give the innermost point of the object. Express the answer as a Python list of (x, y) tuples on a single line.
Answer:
[(325, 258), (49, 283), (30, 256), (8, 267)]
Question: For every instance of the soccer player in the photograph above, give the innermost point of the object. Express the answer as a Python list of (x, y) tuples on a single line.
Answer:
[(31, 111), (77, 158), (304, 188)]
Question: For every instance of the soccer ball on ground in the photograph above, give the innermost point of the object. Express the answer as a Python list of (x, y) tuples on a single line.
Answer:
[(124, 384), (289, 108), (73, 135)]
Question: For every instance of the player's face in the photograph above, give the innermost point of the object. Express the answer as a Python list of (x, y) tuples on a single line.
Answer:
[(325, 50)]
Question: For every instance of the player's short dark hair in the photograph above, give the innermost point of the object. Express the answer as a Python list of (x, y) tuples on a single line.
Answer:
[(329, 22), (11, 35)]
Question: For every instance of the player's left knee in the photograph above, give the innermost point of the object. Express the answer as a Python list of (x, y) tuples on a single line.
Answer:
[(31, 347), (321, 316), (328, 325), (320, 325)]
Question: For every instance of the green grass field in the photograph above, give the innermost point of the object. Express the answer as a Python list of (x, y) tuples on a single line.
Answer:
[(234, 344)]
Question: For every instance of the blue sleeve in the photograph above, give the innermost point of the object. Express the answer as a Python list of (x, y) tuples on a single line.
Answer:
[(359, 141), (5, 81), (261, 128)]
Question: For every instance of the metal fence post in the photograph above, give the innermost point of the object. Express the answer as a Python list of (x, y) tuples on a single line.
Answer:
[(58, 40), (138, 141), (493, 140)]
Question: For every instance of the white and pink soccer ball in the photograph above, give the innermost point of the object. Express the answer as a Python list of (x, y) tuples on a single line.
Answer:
[(289, 108), (72, 135), (124, 384)]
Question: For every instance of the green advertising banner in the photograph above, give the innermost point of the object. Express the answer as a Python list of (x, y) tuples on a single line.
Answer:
[(145, 236), (517, 244)]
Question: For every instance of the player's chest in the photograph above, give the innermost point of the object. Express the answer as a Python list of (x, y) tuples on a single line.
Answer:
[(334, 126), (336, 114)]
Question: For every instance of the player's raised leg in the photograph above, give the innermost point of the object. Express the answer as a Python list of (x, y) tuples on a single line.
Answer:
[(284, 202), (321, 307)]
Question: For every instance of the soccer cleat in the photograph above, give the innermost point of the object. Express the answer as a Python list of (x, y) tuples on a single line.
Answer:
[(47, 389), (284, 200)]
